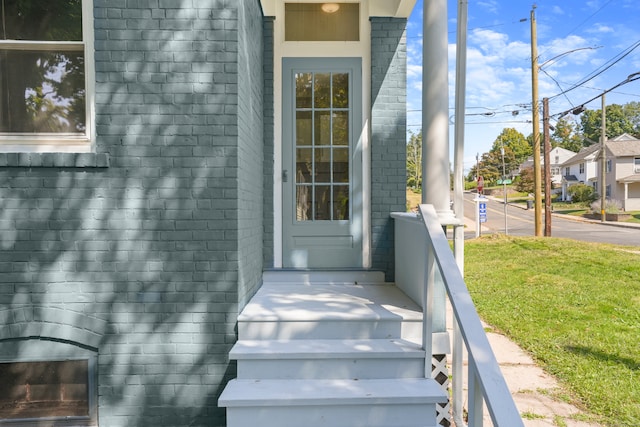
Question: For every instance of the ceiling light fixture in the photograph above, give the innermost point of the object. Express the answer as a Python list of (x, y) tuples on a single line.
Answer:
[(330, 7)]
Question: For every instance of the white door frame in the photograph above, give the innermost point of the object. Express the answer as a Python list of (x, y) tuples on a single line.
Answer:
[(360, 49)]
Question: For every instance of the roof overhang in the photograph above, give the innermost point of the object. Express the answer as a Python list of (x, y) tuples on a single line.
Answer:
[(630, 179), (388, 8)]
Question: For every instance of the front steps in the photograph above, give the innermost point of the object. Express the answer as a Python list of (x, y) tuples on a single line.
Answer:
[(330, 349)]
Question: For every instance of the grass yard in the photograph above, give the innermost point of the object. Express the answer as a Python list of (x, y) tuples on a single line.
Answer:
[(574, 306)]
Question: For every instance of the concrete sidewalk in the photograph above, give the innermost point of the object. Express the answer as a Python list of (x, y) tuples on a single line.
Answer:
[(535, 392)]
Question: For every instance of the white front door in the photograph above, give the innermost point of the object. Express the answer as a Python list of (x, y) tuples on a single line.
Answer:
[(322, 166)]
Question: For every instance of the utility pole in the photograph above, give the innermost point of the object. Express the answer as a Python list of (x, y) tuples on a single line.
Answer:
[(537, 179), (603, 167), (547, 167)]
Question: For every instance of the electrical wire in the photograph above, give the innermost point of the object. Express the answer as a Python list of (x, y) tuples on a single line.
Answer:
[(598, 71)]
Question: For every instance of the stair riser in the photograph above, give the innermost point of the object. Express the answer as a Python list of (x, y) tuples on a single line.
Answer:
[(331, 369), (380, 415), (366, 329)]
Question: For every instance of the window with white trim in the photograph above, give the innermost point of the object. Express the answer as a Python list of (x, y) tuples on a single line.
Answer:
[(636, 165), (46, 75), (581, 167)]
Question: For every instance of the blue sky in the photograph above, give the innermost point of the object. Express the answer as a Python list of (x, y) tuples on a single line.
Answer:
[(499, 61)]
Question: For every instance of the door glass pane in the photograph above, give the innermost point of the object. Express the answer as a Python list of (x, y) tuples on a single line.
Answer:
[(304, 166), (304, 90), (322, 90), (341, 165), (322, 176), (323, 128), (323, 165), (340, 128), (340, 90), (341, 202), (304, 135), (303, 202), (323, 202)]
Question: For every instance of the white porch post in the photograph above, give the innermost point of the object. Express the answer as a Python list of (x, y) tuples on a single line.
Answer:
[(435, 110)]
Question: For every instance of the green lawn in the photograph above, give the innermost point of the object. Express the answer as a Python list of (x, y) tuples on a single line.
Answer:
[(574, 306)]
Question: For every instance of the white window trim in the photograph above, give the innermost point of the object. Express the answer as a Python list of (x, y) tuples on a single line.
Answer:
[(60, 142)]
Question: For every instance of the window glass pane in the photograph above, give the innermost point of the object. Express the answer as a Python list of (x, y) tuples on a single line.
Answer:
[(341, 202), (340, 128), (44, 20), (322, 90), (323, 202), (304, 135), (304, 90), (42, 91), (322, 165), (341, 165), (310, 22), (341, 90), (44, 389), (322, 128)]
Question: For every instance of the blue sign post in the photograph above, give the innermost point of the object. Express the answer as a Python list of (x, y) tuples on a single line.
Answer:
[(481, 213)]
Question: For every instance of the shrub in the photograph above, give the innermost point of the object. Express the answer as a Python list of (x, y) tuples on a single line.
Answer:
[(610, 206), (581, 193)]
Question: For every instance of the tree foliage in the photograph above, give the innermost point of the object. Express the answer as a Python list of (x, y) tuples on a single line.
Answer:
[(414, 161), (565, 135), (619, 120)]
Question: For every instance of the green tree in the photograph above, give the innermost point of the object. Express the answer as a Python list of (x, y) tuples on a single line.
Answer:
[(414, 161), (618, 122), (513, 141), (565, 135)]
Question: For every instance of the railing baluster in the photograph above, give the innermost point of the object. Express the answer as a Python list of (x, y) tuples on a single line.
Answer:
[(427, 312), (486, 383), (475, 397)]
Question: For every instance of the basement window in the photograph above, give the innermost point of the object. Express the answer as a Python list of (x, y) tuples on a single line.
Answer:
[(327, 22), (43, 383)]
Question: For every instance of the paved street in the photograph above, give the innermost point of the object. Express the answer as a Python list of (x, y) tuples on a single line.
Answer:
[(520, 222)]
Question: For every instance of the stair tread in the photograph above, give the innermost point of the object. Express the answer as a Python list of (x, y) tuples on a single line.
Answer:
[(317, 277), (296, 302), (300, 392), (325, 348)]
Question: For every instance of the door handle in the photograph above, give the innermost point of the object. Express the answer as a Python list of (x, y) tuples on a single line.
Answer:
[(285, 176)]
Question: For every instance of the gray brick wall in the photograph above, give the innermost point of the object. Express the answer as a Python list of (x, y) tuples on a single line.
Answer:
[(134, 252), (250, 149), (388, 135)]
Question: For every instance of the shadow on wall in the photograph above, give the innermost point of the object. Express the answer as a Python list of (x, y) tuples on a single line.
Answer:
[(139, 260)]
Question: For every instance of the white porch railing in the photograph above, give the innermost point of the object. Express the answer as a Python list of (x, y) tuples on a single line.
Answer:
[(425, 235)]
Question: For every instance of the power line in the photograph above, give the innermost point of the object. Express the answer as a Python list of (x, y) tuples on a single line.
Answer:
[(613, 61)]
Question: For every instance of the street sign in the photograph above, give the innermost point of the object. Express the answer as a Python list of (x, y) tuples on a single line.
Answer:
[(482, 210)]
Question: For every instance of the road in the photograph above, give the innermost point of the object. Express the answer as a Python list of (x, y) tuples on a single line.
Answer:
[(520, 222)]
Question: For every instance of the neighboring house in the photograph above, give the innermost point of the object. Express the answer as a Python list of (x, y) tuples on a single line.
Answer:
[(623, 171), (582, 168), (622, 178), (557, 156), (157, 156)]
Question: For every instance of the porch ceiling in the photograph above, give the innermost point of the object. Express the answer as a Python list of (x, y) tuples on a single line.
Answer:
[(393, 8)]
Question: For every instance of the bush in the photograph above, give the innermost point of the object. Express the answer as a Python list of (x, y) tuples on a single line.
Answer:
[(581, 193), (610, 206)]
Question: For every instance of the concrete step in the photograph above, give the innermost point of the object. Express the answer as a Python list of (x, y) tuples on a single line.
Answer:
[(336, 403), (286, 311), (328, 359)]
